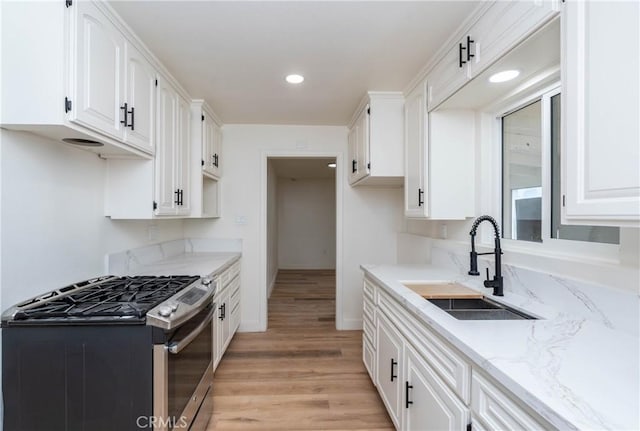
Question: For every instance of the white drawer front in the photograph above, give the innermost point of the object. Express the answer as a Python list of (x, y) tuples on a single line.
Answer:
[(369, 358), (449, 364), (369, 329), (369, 291), (368, 309), (496, 410)]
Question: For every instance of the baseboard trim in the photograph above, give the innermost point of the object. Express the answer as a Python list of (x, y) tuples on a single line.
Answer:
[(272, 284), (349, 325)]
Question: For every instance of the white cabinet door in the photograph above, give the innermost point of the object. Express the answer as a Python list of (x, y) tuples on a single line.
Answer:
[(389, 347), (140, 96), (167, 115), (429, 404), (224, 323), (359, 147), (98, 68), (211, 147), (415, 154), (601, 83), (216, 149), (503, 25), (448, 75), (363, 144), (182, 160)]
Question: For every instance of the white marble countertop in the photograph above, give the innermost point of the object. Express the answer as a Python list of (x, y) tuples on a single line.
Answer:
[(575, 373), (189, 263)]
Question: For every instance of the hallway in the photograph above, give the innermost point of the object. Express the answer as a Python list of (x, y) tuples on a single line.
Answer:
[(302, 374)]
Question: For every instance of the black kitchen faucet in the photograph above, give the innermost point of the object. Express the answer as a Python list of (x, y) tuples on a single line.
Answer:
[(496, 283)]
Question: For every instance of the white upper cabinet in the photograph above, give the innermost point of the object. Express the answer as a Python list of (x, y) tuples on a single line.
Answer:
[(114, 84), (451, 73), (601, 83), (376, 140), (359, 147), (140, 96), (498, 27), (98, 68), (172, 155), (206, 155), (439, 179), (504, 25), (212, 147), (416, 162), (78, 76)]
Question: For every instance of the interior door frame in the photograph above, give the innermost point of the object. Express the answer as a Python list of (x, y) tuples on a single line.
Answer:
[(264, 282)]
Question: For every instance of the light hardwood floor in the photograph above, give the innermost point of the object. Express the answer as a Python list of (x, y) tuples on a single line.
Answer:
[(302, 374)]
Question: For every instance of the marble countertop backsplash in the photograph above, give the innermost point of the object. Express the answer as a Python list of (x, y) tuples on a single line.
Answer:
[(578, 366), (191, 256)]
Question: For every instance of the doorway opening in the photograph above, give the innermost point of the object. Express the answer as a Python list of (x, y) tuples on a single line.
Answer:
[(301, 239)]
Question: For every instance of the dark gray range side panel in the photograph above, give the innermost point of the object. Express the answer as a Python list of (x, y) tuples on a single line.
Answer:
[(77, 377)]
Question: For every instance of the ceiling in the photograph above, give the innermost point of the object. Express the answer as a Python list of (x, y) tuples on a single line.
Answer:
[(235, 54), (303, 168)]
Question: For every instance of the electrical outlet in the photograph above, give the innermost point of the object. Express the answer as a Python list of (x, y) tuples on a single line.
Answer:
[(241, 220)]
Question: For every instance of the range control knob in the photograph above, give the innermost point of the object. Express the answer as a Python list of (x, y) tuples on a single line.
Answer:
[(206, 281), (165, 311), (173, 306)]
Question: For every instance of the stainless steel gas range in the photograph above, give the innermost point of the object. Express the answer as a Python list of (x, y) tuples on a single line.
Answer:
[(127, 353)]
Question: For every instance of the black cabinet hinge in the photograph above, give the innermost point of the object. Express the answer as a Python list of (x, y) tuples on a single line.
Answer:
[(202, 117), (564, 203), (156, 82), (155, 205), (67, 104), (202, 162), (369, 166), (68, 3), (369, 111), (469, 427)]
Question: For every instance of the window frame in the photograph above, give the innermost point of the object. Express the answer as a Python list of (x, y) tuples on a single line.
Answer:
[(549, 245)]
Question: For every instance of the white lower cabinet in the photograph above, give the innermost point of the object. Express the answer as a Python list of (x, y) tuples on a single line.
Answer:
[(227, 313), (496, 410), (429, 403), (389, 347), (428, 385)]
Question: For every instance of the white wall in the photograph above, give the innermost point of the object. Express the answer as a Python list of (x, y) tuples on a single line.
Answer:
[(53, 228), (272, 227), (307, 223), (371, 217)]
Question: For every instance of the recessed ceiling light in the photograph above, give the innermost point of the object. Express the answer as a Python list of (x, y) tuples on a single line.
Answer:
[(332, 164), (294, 79), (504, 76)]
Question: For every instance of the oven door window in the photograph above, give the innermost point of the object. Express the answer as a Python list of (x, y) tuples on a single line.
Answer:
[(187, 367)]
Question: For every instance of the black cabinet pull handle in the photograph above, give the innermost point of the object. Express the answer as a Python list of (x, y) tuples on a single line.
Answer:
[(393, 364), (181, 197), (222, 311), (469, 42), (460, 60), (126, 112), (133, 118), (420, 197), (407, 387), (354, 164), (177, 200)]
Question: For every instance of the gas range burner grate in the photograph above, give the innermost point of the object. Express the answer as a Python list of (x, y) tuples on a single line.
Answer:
[(108, 298)]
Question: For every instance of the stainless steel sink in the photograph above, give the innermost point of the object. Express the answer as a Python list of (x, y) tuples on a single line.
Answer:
[(479, 309)]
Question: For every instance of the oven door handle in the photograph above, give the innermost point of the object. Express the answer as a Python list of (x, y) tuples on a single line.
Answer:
[(176, 347)]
